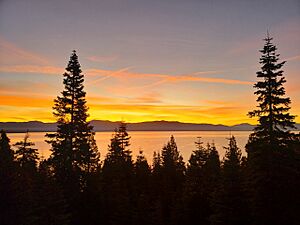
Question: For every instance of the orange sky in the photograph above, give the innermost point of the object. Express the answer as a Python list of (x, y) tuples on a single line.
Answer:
[(133, 102)]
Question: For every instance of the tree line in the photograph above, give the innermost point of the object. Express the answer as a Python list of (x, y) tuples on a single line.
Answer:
[(74, 187)]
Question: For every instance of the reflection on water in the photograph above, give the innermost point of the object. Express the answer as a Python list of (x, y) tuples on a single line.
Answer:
[(150, 141)]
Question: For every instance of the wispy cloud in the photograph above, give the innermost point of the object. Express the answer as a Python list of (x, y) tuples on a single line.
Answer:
[(32, 69), (10, 53), (293, 58), (126, 74), (105, 74), (102, 59), (207, 80)]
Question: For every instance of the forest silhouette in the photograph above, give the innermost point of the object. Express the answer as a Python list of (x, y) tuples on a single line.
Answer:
[(73, 186)]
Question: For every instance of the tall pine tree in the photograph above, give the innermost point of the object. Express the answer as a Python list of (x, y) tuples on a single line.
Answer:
[(74, 151), (274, 118), (271, 167)]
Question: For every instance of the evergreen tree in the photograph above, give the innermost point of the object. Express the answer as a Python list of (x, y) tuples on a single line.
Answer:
[(198, 157), (202, 178), (142, 172), (171, 159), (195, 200), (274, 118), (26, 155), (172, 180), (53, 207), (28, 188), (118, 151), (74, 151), (117, 173), (272, 164), (6, 154), (229, 203), (142, 204), (155, 187), (156, 165), (9, 212)]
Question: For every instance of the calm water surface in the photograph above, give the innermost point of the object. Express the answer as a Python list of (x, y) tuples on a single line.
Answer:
[(150, 141)]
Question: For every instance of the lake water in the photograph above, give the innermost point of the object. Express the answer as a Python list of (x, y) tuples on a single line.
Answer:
[(150, 141)]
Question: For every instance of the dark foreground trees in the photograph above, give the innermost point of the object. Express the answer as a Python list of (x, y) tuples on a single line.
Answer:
[(28, 194), (229, 202), (117, 180), (202, 179), (7, 181)]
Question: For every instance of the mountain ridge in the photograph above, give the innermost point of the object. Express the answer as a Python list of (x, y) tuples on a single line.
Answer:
[(106, 125)]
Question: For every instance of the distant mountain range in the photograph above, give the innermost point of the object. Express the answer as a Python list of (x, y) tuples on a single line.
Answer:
[(104, 125)]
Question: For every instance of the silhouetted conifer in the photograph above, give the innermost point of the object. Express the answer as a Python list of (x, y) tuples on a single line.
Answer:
[(26, 155), (142, 173), (6, 153), (9, 212), (229, 202), (28, 197), (202, 178), (117, 173), (172, 180), (271, 159), (195, 200), (53, 206), (142, 204), (274, 118), (74, 151)]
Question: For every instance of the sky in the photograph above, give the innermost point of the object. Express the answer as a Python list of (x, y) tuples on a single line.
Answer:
[(176, 60)]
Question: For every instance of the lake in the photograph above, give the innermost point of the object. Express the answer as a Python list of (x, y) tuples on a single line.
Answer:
[(150, 141)]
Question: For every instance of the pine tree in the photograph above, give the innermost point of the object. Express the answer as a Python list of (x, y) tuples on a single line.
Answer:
[(202, 178), (6, 154), (53, 207), (9, 211), (74, 151), (26, 155), (119, 148), (142, 204), (198, 157), (117, 173), (172, 161), (142, 172), (155, 187), (196, 204), (172, 180), (156, 163), (272, 162), (229, 203), (274, 119), (28, 188)]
